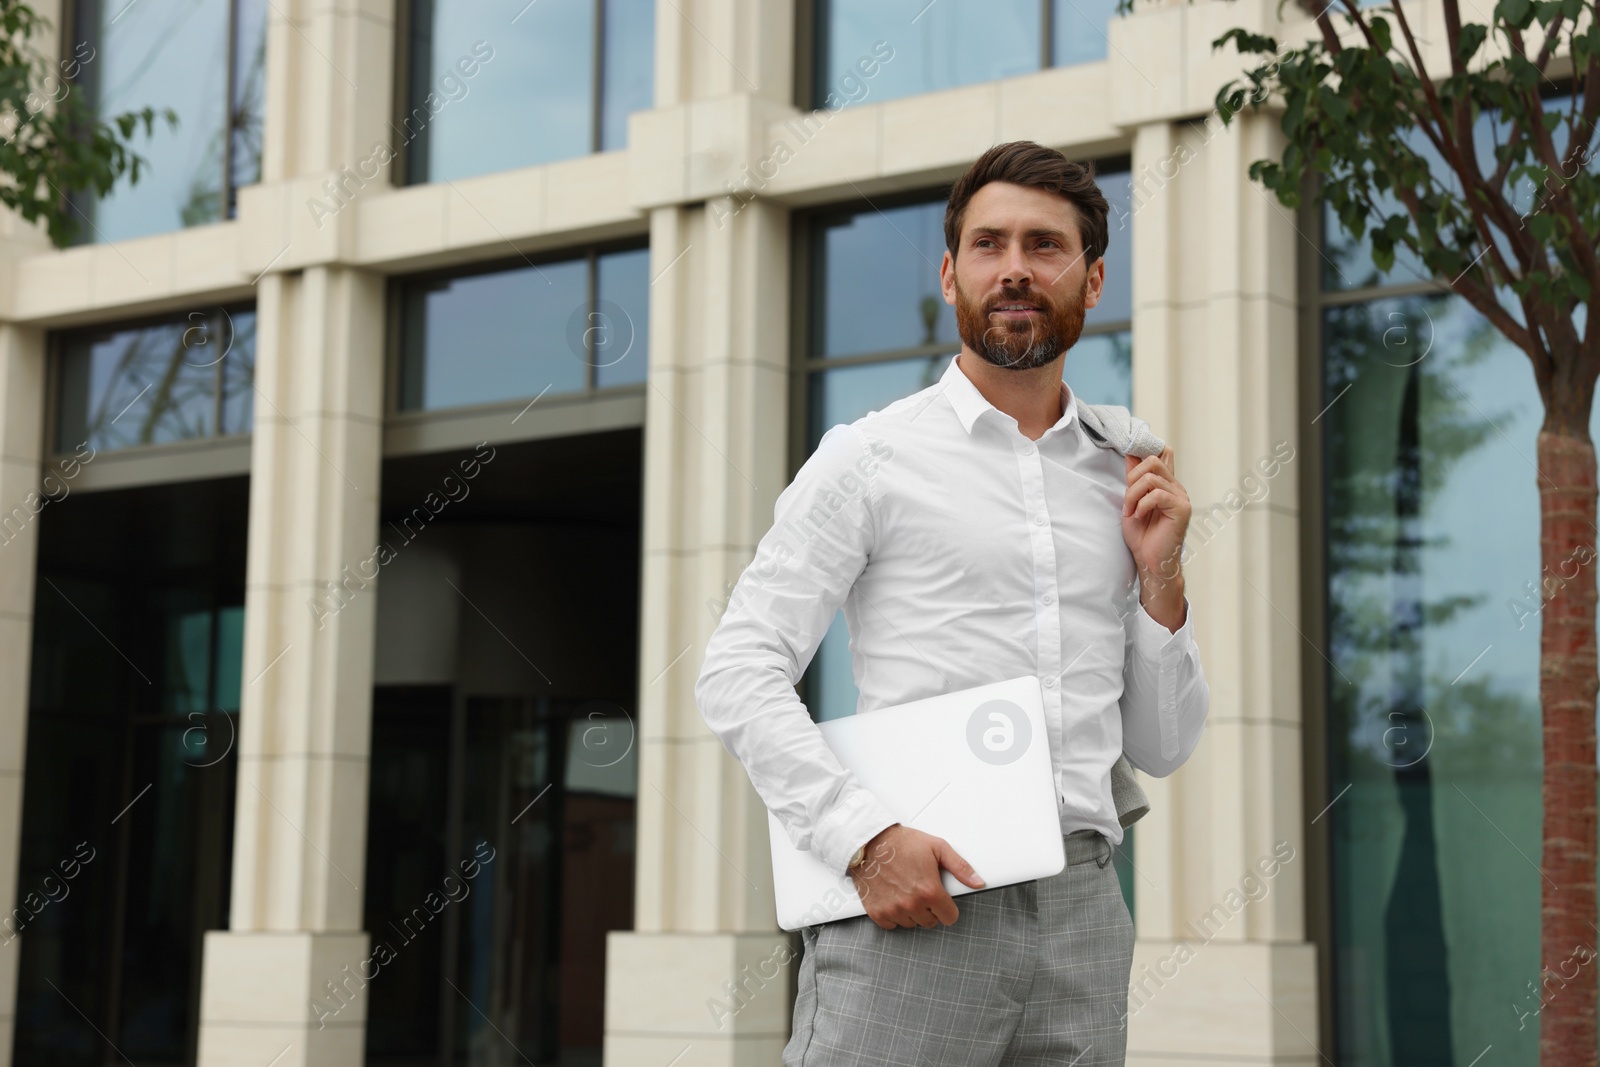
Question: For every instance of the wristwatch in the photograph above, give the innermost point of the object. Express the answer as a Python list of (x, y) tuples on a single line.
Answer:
[(858, 859)]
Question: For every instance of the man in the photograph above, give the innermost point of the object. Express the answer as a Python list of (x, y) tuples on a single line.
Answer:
[(972, 533)]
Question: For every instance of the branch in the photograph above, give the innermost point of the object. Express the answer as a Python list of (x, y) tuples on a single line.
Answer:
[(1582, 136), (1452, 35), (1330, 36), (1551, 40), (1466, 162), (1583, 249), (1372, 44)]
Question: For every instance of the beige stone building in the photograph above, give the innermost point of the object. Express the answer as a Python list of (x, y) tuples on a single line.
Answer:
[(374, 469)]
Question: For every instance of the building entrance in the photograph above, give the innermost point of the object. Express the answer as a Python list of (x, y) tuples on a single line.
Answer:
[(503, 782)]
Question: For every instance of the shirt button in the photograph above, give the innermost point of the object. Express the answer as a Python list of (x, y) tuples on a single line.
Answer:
[(1049, 683), (1038, 520), (1027, 450), (1049, 598)]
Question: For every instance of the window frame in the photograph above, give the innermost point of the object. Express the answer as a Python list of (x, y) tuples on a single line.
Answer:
[(593, 409), (404, 63), (811, 45), (88, 82), (1317, 794), (217, 455)]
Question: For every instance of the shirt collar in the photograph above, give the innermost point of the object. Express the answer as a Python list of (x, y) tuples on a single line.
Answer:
[(969, 403)]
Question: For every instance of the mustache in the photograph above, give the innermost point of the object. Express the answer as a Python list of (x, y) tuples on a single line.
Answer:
[(1018, 296)]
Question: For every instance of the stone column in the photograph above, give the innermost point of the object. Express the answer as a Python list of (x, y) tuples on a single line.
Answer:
[(21, 500), (705, 971), (1222, 971), (705, 975), (295, 931)]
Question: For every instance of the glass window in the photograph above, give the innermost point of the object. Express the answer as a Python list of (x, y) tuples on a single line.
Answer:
[(1433, 727), (182, 378), (484, 95), (516, 333), (873, 50), (127, 807), (1433, 698), (206, 61), (877, 276), (1116, 296), (1078, 30), (620, 341), (628, 67)]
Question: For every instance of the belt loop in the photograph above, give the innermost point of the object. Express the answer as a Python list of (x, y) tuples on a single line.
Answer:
[(1102, 860)]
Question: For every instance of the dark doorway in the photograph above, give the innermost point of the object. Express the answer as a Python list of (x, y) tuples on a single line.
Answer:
[(501, 833), (127, 815)]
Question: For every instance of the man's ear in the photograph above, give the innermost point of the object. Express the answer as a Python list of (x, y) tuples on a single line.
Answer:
[(1097, 283), (947, 278)]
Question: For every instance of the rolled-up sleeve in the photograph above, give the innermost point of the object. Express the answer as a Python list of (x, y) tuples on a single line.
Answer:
[(777, 614), (1164, 693)]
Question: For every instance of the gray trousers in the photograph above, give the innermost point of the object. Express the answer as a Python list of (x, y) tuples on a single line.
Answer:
[(1032, 973)]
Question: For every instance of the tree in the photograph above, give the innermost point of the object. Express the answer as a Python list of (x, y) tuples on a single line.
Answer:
[(49, 151), (1433, 162)]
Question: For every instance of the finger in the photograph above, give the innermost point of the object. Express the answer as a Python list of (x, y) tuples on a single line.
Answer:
[(957, 864), (1135, 493), (1148, 465), (1154, 500), (1137, 490), (945, 909)]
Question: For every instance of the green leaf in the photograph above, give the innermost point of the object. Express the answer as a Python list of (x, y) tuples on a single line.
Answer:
[(1472, 36), (1380, 31), (1336, 106), (1515, 12)]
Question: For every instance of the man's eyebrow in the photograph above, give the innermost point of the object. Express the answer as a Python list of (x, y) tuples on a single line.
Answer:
[(1035, 231)]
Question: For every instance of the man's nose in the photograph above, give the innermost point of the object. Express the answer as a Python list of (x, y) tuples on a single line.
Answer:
[(1016, 269)]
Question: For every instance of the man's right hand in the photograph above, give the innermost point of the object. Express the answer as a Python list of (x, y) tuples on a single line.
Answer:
[(900, 884)]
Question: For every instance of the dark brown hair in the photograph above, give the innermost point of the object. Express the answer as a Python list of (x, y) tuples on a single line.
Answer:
[(1028, 163)]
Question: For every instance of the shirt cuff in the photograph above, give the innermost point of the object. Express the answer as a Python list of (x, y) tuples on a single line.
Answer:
[(1153, 637), (849, 826), (1164, 650)]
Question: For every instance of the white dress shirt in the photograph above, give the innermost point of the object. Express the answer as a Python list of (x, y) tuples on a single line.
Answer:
[(962, 553)]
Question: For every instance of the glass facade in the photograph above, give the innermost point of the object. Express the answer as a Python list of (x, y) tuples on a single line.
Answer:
[(505, 770), (127, 820), (1433, 719), (557, 327), (557, 79), (177, 379), (206, 60), (878, 329), (923, 47)]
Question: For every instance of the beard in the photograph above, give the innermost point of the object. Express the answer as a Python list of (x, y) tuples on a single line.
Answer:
[(1021, 344)]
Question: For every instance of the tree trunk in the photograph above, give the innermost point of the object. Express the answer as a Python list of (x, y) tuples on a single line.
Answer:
[(1567, 688)]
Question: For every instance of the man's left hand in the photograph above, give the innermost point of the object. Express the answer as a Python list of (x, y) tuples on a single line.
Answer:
[(1155, 515)]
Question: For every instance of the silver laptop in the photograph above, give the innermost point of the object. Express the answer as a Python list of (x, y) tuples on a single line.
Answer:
[(972, 767)]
